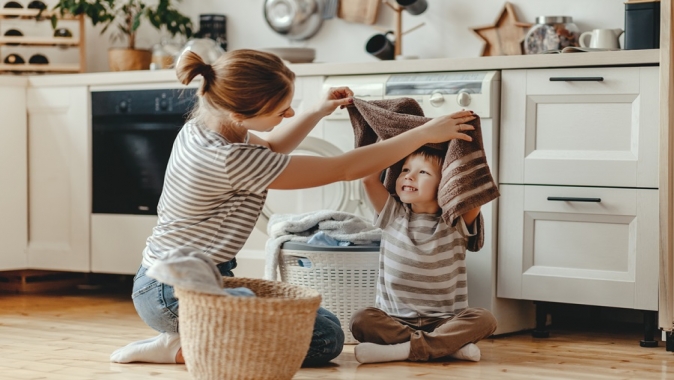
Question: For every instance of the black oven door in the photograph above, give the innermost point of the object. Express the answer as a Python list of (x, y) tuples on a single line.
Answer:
[(132, 138)]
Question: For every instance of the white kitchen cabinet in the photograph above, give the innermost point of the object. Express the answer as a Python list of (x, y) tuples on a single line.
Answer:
[(603, 251), (579, 130), (578, 212), (59, 178), (13, 177)]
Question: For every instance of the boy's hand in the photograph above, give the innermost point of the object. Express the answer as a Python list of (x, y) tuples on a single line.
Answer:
[(335, 97), (448, 127)]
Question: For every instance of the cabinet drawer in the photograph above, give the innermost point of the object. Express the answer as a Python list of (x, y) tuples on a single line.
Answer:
[(594, 246), (582, 133)]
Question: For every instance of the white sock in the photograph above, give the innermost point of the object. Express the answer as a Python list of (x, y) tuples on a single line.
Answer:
[(469, 352), (378, 353), (160, 349)]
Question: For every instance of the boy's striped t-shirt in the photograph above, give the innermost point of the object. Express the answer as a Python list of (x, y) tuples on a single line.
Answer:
[(422, 268), (213, 194)]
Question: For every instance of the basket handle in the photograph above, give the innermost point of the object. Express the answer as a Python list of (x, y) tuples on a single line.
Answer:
[(302, 261)]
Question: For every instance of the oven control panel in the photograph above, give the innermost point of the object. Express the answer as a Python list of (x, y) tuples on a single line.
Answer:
[(143, 102)]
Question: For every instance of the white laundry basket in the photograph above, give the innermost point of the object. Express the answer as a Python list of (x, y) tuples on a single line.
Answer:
[(346, 277)]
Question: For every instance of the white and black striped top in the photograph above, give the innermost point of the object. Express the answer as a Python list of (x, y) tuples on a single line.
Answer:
[(422, 267), (213, 194)]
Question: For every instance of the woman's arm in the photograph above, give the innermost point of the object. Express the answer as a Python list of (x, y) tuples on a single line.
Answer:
[(285, 138), (310, 171)]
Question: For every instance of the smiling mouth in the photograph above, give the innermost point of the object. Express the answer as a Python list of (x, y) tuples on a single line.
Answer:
[(409, 188)]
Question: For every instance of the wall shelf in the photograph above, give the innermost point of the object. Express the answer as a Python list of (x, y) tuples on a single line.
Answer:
[(18, 44)]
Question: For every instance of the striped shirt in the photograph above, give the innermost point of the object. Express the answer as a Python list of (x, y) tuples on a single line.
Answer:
[(422, 267), (213, 194)]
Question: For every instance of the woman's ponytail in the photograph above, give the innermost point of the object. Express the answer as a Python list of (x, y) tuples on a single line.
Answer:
[(190, 65)]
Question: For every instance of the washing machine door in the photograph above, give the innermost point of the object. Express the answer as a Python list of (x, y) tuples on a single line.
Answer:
[(348, 196)]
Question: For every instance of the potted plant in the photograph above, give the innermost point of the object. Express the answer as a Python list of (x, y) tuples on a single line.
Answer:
[(127, 16)]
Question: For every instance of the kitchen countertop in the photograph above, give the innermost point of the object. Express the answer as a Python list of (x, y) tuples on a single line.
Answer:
[(614, 58)]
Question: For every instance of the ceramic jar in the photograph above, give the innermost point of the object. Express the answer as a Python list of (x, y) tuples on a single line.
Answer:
[(551, 33)]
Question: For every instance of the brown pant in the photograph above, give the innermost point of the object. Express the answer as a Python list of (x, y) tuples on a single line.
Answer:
[(429, 337)]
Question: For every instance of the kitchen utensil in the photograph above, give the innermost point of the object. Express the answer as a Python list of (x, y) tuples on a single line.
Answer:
[(295, 19), (381, 46), (330, 9), (293, 54), (551, 33), (360, 11), (413, 7), (206, 48), (601, 38)]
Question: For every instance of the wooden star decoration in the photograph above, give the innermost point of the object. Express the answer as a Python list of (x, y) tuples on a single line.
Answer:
[(505, 36)]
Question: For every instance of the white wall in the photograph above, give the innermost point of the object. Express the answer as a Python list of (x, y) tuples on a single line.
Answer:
[(446, 32)]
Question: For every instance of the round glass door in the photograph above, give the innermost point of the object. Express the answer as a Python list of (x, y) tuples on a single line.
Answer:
[(341, 196)]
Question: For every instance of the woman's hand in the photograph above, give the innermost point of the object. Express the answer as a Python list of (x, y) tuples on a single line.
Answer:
[(335, 97), (448, 127)]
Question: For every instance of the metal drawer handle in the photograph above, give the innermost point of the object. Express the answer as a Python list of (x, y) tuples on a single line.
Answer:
[(574, 199), (576, 79)]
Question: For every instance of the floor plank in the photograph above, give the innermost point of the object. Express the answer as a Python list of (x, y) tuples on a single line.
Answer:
[(70, 336)]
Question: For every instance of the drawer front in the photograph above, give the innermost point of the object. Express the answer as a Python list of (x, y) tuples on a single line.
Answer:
[(594, 246), (581, 133)]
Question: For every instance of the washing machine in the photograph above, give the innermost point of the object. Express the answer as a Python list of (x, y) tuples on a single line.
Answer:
[(438, 93)]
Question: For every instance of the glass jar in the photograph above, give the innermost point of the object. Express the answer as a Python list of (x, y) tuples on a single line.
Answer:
[(551, 33)]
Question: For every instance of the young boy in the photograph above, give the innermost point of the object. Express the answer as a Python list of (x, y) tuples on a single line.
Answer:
[(421, 308)]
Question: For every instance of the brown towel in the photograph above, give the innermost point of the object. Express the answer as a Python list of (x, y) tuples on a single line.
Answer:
[(466, 180)]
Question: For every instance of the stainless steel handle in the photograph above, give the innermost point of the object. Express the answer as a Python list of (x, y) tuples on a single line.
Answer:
[(574, 199)]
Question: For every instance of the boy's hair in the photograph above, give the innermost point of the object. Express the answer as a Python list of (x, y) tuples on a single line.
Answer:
[(431, 154), (248, 82)]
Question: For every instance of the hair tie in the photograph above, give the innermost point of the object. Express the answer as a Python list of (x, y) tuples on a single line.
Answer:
[(207, 72)]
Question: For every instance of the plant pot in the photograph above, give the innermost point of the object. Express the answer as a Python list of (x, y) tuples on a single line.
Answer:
[(129, 59)]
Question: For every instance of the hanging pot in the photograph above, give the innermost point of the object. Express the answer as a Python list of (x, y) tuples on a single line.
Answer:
[(296, 19)]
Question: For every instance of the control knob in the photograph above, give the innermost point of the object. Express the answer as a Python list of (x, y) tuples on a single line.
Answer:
[(436, 99), (123, 106), (163, 104), (463, 98)]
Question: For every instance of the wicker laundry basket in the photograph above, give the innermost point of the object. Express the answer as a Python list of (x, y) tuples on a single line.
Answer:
[(258, 338), (346, 277)]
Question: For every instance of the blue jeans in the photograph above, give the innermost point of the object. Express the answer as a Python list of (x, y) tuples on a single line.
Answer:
[(157, 306)]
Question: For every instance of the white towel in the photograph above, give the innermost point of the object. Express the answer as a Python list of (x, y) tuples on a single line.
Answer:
[(189, 268), (339, 225)]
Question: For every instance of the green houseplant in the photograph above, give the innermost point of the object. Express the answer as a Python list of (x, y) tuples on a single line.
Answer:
[(127, 16)]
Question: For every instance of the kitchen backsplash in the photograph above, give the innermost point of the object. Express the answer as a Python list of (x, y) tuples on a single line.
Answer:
[(446, 33)]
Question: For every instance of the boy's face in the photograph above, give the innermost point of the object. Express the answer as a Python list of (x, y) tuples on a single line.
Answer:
[(418, 184)]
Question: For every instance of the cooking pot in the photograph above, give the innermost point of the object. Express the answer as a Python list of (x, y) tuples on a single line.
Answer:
[(295, 19)]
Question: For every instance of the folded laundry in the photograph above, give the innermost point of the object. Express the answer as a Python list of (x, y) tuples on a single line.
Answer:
[(338, 225)]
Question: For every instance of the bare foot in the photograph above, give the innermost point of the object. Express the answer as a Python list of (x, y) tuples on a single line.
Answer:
[(179, 357)]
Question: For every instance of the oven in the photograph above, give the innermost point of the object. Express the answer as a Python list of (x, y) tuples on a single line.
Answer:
[(132, 134)]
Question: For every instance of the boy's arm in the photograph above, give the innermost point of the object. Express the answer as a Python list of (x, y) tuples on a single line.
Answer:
[(376, 192), (470, 215)]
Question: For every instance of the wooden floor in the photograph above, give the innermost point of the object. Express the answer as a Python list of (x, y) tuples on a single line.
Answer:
[(70, 337)]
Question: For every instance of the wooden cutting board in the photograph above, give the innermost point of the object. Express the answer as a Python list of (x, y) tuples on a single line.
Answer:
[(360, 11)]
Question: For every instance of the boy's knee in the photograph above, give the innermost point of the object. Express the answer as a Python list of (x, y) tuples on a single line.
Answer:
[(487, 320), (360, 320)]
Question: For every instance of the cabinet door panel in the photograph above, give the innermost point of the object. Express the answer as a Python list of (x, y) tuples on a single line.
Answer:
[(581, 133), (13, 178), (597, 253), (59, 178)]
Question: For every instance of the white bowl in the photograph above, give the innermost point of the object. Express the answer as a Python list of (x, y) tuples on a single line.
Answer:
[(293, 54)]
